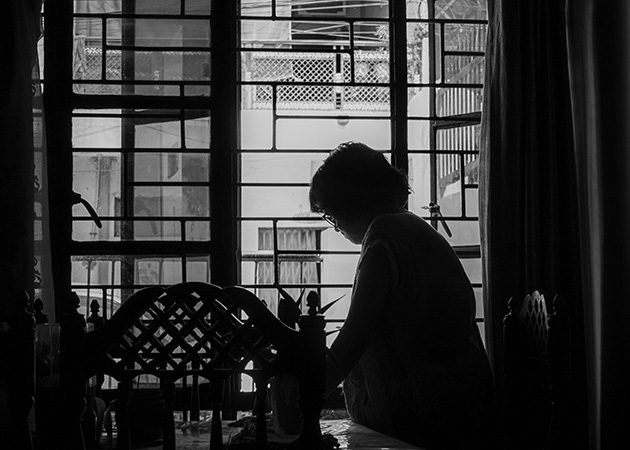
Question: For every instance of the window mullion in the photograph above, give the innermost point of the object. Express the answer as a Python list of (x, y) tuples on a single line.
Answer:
[(223, 142), (399, 95), (432, 107), (58, 88)]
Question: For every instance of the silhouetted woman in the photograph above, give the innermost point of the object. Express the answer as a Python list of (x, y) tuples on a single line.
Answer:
[(410, 354)]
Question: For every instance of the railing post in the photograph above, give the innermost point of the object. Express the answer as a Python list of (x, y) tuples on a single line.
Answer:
[(123, 439), (312, 374), (72, 384), (168, 424), (216, 398), (260, 409)]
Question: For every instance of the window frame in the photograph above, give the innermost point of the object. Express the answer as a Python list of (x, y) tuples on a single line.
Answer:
[(224, 253)]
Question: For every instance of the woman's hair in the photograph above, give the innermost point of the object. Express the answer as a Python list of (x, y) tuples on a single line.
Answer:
[(355, 179)]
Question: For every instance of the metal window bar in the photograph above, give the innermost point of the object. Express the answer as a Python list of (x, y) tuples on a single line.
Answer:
[(281, 94)]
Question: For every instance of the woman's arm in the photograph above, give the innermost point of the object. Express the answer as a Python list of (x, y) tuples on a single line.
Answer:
[(373, 285)]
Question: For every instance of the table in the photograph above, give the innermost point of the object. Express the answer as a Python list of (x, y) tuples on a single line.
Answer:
[(350, 436)]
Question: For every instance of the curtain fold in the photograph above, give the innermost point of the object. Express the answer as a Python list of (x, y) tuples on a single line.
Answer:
[(599, 61), (528, 201), (19, 33)]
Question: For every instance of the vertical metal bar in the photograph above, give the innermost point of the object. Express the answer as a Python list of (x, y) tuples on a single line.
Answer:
[(128, 132), (113, 277), (276, 258), (442, 56), (352, 50), (274, 117), (398, 83), (223, 129), (104, 302), (58, 89), (432, 108), (103, 48), (462, 182)]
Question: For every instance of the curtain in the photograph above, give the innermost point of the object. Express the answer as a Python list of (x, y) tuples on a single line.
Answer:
[(19, 34), (599, 62), (529, 209)]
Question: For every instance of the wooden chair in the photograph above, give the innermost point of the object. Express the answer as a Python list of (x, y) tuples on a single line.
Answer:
[(537, 372), (194, 329)]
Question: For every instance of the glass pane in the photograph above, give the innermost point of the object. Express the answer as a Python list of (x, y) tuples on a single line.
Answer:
[(453, 101), (116, 277), (420, 181), (472, 267), (279, 167), (289, 66), (479, 306), (472, 202), (464, 138), (160, 32), (97, 178), (172, 7), (418, 52), (191, 201), (347, 8), (417, 9), (461, 9), (294, 34), (194, 7), (256, 125), (85, 230), (263, 201), (419, 134), (465, 37), (463, 232), (90, 132), (171, 167), (263, 8), (328, 133), (463, 69), (372, 36), (142, 128)]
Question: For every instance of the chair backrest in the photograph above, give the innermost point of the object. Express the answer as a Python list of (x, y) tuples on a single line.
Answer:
[(198, 329), (537, 363)]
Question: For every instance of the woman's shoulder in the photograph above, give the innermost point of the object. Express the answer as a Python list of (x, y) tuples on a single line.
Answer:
[(396, 223)]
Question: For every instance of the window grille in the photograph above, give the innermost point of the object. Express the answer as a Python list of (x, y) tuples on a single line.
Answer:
[(193, 128)]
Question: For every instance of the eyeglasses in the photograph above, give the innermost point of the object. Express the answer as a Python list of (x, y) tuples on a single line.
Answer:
[(331, 220)]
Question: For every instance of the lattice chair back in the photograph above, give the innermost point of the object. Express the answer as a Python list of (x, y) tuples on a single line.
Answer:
[(528, 404), (203, 330)]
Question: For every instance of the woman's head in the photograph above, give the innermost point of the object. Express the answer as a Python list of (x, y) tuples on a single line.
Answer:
[(356, 180)]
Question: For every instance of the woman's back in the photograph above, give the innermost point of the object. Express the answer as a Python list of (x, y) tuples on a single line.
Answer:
[(425, 368)]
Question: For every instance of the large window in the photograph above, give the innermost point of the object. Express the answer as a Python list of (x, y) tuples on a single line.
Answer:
[(193, 128)]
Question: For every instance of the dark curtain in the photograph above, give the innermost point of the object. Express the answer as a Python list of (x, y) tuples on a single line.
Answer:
[(19, 33), (529, 206), (19, 28), (599, 42)]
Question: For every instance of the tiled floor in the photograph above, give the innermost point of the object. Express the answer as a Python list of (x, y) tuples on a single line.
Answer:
[(350, 436)]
